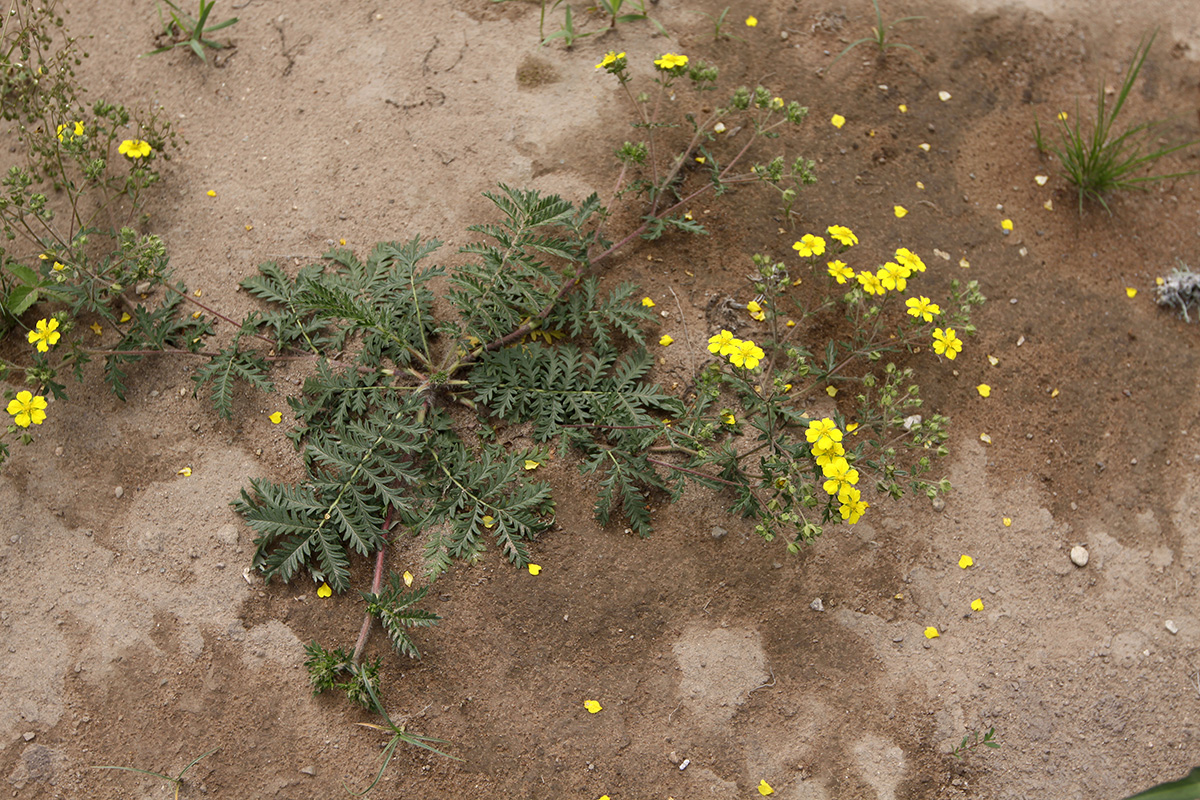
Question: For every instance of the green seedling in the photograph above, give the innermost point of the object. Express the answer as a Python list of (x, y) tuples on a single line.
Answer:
[(177, 781), (973, 740), (879, 34), (1098, 161), (188, 31)]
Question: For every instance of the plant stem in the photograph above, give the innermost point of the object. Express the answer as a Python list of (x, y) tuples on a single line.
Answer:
[(376, 584)]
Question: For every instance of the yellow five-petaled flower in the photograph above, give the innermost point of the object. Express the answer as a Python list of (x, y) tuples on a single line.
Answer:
[(76, 129), (134, 148), (670, 61), (45, 335), (946, 343), (746, 354), (842, 234), (609, 58), (839, 271), (921, 308), (722, 344), (28, 409), (809, 245)]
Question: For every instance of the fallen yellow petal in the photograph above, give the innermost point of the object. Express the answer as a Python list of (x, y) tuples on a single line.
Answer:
[(943, 96), (592, 706), (1130, 292), (700, 159), (931, 633), (647, 302), (1048, 205), (751, 22), (488, 520), (276, 417), (1008, 522), (924, 146), (185, 472), (323, 590), (903, 108), (965, 561), (983, 437), (1006, 224), (531, 464), (666, 340), (977, 604), (1054, 393), (211, 193), (993, 360), (962, 262), (534, 569), (920, 185), (249, 227), (96, 329), (125, 317), (831, 391), (837, 121), (764, 788), (408, 578), (899, 211), (1158, 281), (1041, 179), (984, 390), (342, 242)]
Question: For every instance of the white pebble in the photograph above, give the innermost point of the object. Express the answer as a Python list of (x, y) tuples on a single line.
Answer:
[(1079, 556)]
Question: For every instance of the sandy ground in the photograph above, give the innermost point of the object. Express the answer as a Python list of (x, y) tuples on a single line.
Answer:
[(133, 636)]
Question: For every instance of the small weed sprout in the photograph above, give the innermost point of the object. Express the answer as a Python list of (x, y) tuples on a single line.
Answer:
[(184, 30), (973, 740), (718, 22), (879, 35), (1096, 159), (617, 11), (176, 781)]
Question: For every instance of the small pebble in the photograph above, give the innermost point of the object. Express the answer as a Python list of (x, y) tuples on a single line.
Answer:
[(939, 503), (29, 736), (1079, 556), (817, 605), (309, 770), (1171, 626), (58, 451), (119, 492), (142, 288), (898, 639), (718, 532)]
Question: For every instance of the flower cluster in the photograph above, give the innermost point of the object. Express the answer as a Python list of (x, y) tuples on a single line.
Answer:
[(840, 478), (741, 353)]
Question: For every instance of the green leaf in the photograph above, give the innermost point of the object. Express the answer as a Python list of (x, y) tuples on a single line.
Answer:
[(1186, 788)]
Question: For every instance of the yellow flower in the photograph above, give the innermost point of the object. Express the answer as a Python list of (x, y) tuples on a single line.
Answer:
[(134, 148), (728, 418), (323, 590), (842, 234), (666, 340), (59, 266), (823, 434), (977, 604), (946, 343), (76, 130), (534, 569), (893, 276), (647, 302), (488, 520), (609, 57), (921, 308), (531, 464), (593, 706), (777, 102), (837, 120), (746, 354), (910, 260), (899, 211), (185, 472), (756, 311), (871, 283), (276, 417), (931, 633), (1006, 224), (408, 578), (984, 390), (752, 22), (45, 335), (670, 61), (809, 245), (1062, 116), (27, 409), (764, 788), (853, 505), (965, 561), (839, 271), (1130, 292), (840, 476), (828, 457), (722, 344)]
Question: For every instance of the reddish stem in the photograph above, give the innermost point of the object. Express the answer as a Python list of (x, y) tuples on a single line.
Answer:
[(376, 585)]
